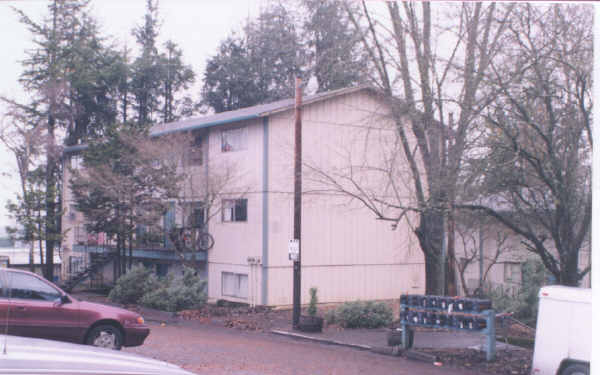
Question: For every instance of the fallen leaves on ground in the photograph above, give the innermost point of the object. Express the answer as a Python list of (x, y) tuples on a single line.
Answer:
[(507, 362)]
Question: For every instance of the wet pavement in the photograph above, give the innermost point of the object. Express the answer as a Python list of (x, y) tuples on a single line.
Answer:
[(206, 348)]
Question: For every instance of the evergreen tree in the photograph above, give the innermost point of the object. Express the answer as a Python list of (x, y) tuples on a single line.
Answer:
[(56, 74), (126, 183), (176, 76), (157, 78), (336, 55), (258, 67)]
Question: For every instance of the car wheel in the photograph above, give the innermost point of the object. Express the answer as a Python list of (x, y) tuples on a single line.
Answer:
[(576, 369), (105, 336)]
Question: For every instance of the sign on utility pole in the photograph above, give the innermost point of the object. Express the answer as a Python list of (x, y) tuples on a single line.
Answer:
[(297, 203)]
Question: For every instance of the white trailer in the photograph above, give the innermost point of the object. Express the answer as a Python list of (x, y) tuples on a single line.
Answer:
[(563, 339)]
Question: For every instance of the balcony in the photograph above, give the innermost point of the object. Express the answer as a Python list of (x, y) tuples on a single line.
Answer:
[(146, 245)]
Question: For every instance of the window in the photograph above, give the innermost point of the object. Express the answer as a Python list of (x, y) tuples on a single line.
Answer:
[(76, 161), (234, 284), (81, 235), (512, 272), (196, 218), (162, 269), (194, 155), (29, 287), (235, 210), (234, 139), (72, 212)]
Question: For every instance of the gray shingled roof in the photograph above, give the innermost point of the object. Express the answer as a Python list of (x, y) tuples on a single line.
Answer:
[(247, 113)]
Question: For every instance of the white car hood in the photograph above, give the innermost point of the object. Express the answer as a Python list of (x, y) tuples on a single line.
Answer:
[(27, 356)]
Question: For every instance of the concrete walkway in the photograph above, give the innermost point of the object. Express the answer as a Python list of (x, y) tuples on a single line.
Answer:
[(374, 338)]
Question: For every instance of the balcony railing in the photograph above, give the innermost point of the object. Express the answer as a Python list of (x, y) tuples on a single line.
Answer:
[(155, 240)]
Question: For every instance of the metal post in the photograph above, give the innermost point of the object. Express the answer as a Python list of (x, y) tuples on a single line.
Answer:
[(443, 286), (405, 336), (297, 202), (491, 334)]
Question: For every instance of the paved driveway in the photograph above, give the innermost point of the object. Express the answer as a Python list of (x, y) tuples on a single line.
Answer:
[(210, 349)]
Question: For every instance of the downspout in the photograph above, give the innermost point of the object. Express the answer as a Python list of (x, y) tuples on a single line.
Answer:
[(265, 214)]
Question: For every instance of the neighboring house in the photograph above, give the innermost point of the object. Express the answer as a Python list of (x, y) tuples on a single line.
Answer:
[(493, 252), (346, 253)]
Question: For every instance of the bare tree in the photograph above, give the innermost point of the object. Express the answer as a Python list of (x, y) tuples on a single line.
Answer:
[(474, 236), (537, 163), (24, 142), (125, 183), (203, 186), (424, 88)]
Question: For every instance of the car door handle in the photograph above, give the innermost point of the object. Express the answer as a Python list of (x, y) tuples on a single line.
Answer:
[(21, 308)]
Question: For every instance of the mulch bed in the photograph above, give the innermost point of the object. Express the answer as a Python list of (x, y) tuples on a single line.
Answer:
[(259, 318), (507, 362)]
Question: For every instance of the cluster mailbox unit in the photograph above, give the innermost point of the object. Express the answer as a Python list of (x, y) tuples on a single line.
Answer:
[(455, 313)]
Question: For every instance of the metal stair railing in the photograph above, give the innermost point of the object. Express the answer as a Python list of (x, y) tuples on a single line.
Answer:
[(95, 265)]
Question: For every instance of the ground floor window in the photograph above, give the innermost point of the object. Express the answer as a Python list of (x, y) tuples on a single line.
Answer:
[(162, 269), (234, 284)]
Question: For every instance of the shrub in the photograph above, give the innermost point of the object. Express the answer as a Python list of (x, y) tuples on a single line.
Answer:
[(187, 292), (361, 314), (525, 303), (130, 287), (141, 286), (312, 306)]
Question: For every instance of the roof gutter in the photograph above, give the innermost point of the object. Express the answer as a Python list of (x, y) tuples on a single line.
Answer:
[(205, 125)]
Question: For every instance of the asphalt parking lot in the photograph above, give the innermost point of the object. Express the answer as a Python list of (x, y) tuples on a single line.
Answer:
[(206, 348)]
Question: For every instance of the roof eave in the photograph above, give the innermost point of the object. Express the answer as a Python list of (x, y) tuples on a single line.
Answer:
[(205, 125)]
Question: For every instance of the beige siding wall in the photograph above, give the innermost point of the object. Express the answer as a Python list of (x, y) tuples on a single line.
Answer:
[(236, 241), (346, 253)]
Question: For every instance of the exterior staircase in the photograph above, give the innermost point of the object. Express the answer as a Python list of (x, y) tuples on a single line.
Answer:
[(95, 265)]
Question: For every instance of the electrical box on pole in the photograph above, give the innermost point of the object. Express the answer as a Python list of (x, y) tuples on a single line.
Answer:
[(294, 250)]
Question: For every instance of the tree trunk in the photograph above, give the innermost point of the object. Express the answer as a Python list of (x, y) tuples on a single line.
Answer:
[(569, 272), (430, 235), (31, 255), (41, 242), (452, 288), (118, 264), (130, 258), (51, 217)]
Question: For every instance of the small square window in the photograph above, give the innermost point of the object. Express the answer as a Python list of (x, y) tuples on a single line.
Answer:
[(235, 210), (72, 212), (234, 139), (234, 284), (512, 272), (76, 162)]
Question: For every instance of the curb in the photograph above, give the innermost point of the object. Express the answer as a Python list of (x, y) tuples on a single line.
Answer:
[(320, 340)]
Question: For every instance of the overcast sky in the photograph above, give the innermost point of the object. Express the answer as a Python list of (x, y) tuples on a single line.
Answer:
[(197, 26)]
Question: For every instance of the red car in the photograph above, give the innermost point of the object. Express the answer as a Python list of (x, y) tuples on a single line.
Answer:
[(33, 307)]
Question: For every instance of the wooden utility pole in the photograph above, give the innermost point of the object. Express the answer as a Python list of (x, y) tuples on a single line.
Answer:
[(297, 201)]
